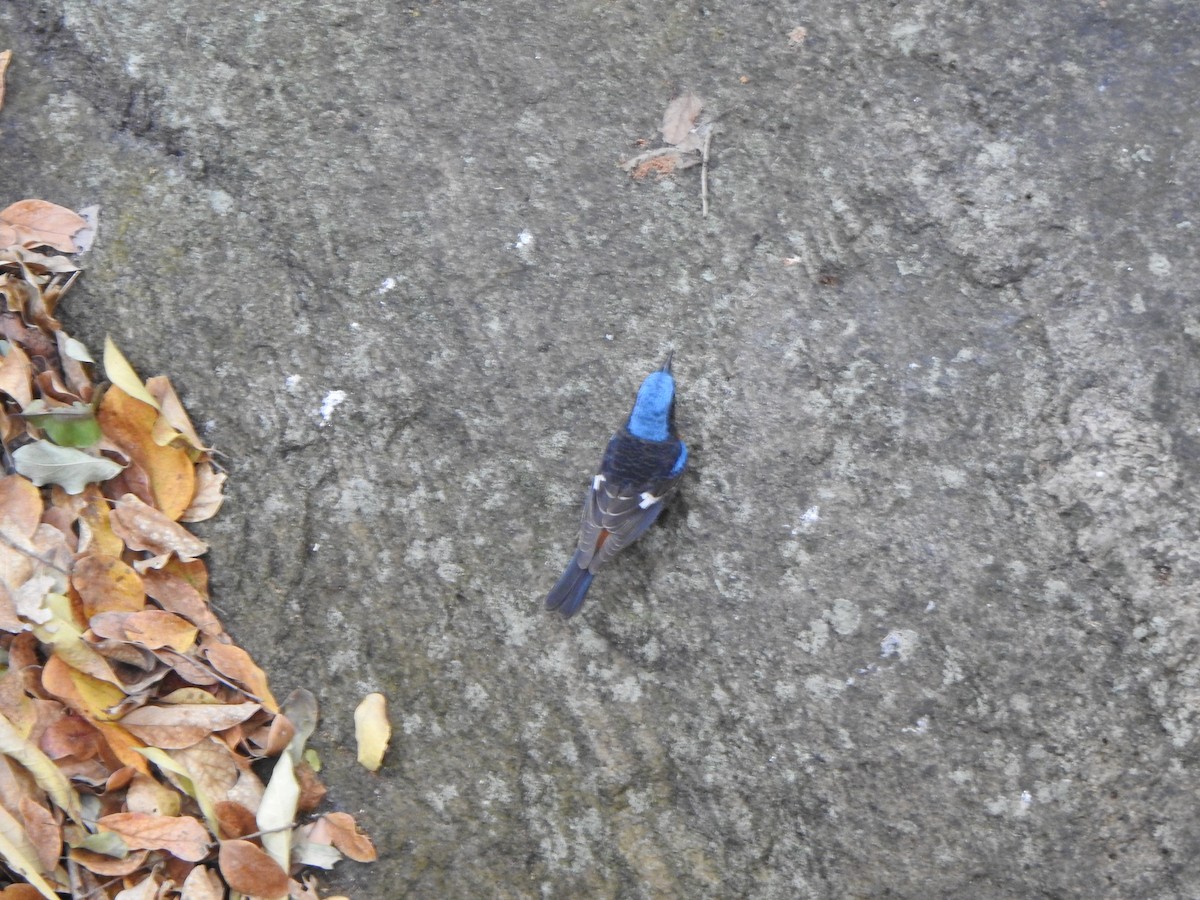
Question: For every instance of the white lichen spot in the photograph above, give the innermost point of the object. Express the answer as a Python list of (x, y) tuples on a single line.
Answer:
[(899, 643), (291, 383), (332, 401), (440, 797), (823, 688), (222, 203), (524, 245), (1159, 265), (386, 286), (627, 690), (844, 616)]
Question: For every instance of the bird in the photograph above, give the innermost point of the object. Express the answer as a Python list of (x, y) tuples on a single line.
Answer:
[(639, 472)]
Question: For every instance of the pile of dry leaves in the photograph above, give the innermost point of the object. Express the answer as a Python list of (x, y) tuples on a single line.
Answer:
[(142, 755)]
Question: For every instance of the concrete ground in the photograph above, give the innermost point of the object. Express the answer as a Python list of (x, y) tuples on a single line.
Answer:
[(923, 620)]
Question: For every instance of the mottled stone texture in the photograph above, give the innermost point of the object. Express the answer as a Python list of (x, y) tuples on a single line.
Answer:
[(923, 620)]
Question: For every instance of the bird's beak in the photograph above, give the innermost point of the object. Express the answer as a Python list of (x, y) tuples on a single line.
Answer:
[(666, 366)]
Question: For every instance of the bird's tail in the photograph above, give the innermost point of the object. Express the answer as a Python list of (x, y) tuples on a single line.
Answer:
[(568, 592)]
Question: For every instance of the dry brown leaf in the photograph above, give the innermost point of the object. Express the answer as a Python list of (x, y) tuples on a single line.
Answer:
[(210, 488), (148, 795), (21, 892), (312, 791), (149, 888), (155, 629), (181, 725), (235, 819), (22, 506), (235, 664), (181, 836), (213, 770), (176, 595), (110, 866), (100, 538), (142, 527), (248, 869), (105, 584), (173, 425), (680, 117), (202, 883), (87, 695), (346, 836), (129, 424), (70, 736), (16, 376), (5, 59), (33, 223), (44, 832)]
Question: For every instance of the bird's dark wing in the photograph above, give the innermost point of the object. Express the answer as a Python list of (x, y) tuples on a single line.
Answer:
[(615, 515)]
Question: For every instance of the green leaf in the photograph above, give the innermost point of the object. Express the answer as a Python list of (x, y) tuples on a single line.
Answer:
[(67, 426), (45, 463), (108, 843)]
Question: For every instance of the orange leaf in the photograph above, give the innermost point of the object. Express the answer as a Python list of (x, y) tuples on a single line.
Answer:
[(70, 736), (105, 584), (142, 527), (124, 746), (248, 869), (129, 423), (21, 891), (37, 222), (183, 724), (235, 663), (86, 695), (181, 836), (154, 628), (346, 837)]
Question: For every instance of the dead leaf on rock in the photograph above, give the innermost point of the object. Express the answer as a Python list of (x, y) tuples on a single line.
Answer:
[(210, 488), (248, 869), (372, 731), (5, 59), (36, 223), (142, 527), (345, 835), (680, 117), (156, 628)]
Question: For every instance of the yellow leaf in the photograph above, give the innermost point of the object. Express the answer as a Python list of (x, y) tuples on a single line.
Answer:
[(277, 811), (372, 731), (128, 423), (25, 867), (121, 373)]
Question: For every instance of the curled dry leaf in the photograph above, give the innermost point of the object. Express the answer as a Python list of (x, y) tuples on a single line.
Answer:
[(142, 527), (202, 883), (372, 731), (183, 724), (181, 836), (680, 117), (248, 869), (344, 835), (210, 487), (36, 223), (235, 663), (5, 59)]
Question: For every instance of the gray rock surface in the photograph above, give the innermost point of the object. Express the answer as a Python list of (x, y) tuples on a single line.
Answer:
[(923, 621)]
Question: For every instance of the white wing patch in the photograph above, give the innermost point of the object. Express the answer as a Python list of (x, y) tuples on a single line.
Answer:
[(596, 482), (648, 500)]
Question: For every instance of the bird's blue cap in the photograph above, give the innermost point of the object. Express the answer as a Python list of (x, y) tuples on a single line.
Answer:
[(651, 416)]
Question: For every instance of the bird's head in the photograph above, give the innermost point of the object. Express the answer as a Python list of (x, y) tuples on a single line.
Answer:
[(653, 416)]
